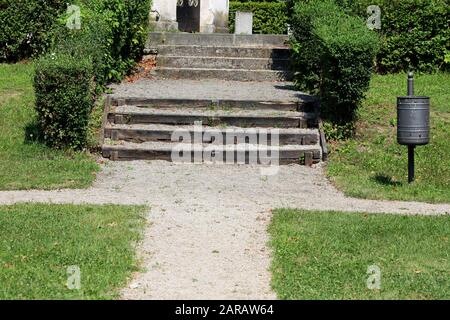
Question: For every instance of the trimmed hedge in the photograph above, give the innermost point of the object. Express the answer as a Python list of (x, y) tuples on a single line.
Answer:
[(25, 27), (333, 55), (268, 17), (64, 86), (81, 62), (415, 34)]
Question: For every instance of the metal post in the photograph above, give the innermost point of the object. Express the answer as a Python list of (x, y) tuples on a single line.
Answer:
[(411, 147), (410, 84), (411, 164)]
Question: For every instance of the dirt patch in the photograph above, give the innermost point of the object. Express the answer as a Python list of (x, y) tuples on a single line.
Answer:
[(6, 96), (143, 69)]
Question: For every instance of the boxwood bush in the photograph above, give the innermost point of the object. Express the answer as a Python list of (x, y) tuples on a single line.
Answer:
[(415, 34), (64, 86), (128, 29), (80, 63), (269, 17), (25, 27), (333, 56)]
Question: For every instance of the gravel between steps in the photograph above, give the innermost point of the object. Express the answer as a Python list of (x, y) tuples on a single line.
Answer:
[(205, 112), (206, 237), (208, 89)]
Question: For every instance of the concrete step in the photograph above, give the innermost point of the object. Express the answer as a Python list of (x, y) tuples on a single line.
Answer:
[(305, 104), (208, 117), (222, 51), (230, 135), (230, 154), (205, 62), (215, 39), (222, 74)]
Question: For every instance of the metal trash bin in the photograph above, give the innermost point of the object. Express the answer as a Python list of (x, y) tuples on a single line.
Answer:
[(413, 123), (413, 120)]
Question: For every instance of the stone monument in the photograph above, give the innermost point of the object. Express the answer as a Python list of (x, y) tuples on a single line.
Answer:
[(205, 16)]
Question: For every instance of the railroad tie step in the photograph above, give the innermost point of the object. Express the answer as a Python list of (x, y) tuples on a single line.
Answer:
[(231, 135), (239, 118), (229, 154)]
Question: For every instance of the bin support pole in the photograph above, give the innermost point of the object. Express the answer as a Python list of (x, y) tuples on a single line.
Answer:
[(410, 84), (411, 164), (411, 147)]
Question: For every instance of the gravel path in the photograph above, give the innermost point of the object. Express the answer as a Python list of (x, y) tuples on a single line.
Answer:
[(207, 238), (208, 90)]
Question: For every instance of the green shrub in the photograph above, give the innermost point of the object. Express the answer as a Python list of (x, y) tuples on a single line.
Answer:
[(110, 41), (333, 55), (268, 17), (128, 23), (415, 33), (25, 26), (91, 41), (63, 87)]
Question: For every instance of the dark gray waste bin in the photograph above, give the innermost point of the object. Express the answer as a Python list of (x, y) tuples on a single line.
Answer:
[(413, 117)]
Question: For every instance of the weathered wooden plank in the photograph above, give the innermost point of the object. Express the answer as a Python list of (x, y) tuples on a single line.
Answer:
[(299, 105), (209, 136), (223, 120), (236, 156)]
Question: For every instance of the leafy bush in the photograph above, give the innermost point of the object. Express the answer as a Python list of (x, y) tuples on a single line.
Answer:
[(128, 22), (25, 26), (120, 27), (63, 87), (268, 17), (111, 39), (415, 33), (91, 42), (333, 57)]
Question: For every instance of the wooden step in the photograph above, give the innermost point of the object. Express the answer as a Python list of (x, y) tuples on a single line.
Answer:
[(305, 104), (171, 133), (222, 118), (230, 154)]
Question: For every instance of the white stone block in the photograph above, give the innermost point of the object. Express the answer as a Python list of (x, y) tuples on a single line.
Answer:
[(244, 23)]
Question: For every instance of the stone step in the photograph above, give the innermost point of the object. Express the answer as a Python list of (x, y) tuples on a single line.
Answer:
[(222, 74), (205, 62), (208, 117), (221, 51), (215, 39), (305, 104), (230, 135), (240, 153)]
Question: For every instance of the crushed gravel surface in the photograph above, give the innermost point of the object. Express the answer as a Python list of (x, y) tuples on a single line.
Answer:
[(206, 237), (207, 89)]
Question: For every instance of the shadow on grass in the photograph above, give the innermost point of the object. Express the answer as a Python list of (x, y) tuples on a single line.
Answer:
[(386, 180), (33, 133)]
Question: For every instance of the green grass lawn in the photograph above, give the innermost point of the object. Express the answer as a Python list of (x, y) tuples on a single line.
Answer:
[(39, 242), (325, 255), (374, 166), (30, 165)]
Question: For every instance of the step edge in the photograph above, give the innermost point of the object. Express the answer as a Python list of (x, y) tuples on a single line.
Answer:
[(223, 57), (224, 70), (169, 146), (190, 128)]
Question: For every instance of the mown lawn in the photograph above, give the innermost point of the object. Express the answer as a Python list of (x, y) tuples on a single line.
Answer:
[(326, 255), (374, 166), (39, 242), (25, 164)]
